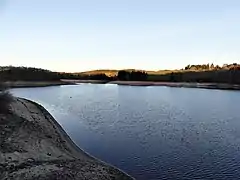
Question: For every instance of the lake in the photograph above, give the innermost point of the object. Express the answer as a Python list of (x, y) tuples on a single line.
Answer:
[(150, 132)]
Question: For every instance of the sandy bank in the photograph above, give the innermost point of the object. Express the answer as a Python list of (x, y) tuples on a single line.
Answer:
[(33, 146), (24, 84), (179, 84)]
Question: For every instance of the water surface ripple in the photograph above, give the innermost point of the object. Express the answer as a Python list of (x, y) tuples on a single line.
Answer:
[(151, 132)]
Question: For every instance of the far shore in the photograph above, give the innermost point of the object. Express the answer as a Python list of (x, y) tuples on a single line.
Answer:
[(180, 84), (75, 81), (221, 86), (25, 84)]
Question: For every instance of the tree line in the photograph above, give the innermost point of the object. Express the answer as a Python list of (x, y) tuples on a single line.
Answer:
[(132, 75), (212, 67), (228, 73), (205, 73), (9, 73)]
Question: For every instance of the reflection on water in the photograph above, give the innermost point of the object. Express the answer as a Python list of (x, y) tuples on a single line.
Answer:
[(151, 132)]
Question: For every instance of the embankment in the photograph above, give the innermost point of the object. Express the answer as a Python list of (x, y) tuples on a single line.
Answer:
[(34, 146)]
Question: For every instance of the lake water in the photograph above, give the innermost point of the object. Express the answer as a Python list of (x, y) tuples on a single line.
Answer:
[(150, 132)]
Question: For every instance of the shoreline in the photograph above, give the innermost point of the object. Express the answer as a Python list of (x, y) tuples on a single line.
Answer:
[(33, 84), (220, 86), (35, 146), (29, 84), (179, 84), (75, 81), (69, 140)]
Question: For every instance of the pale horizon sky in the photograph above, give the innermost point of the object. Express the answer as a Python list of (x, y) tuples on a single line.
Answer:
[(80, 35)]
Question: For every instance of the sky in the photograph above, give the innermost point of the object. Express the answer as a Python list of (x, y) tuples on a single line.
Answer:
[(80, 35)]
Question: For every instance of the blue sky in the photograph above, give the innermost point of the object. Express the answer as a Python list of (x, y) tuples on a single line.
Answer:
[(79, 35)]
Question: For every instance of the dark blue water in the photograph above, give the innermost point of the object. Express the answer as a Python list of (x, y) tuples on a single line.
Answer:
[(151, 132)]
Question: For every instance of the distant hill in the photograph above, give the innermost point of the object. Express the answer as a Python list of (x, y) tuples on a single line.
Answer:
[(108, 72), (113, 72), (11, 73), (228, 73)]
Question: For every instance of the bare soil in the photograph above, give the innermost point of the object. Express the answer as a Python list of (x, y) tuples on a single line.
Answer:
[(33, 146)]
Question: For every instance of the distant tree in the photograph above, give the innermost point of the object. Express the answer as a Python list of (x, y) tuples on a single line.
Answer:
[(212, 66), (123, 75), (172, 77), (27, 74), (217, 67), (207, 66), (225, 66), (138, 76), (132, 75), (188, 67), (99, 77)]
